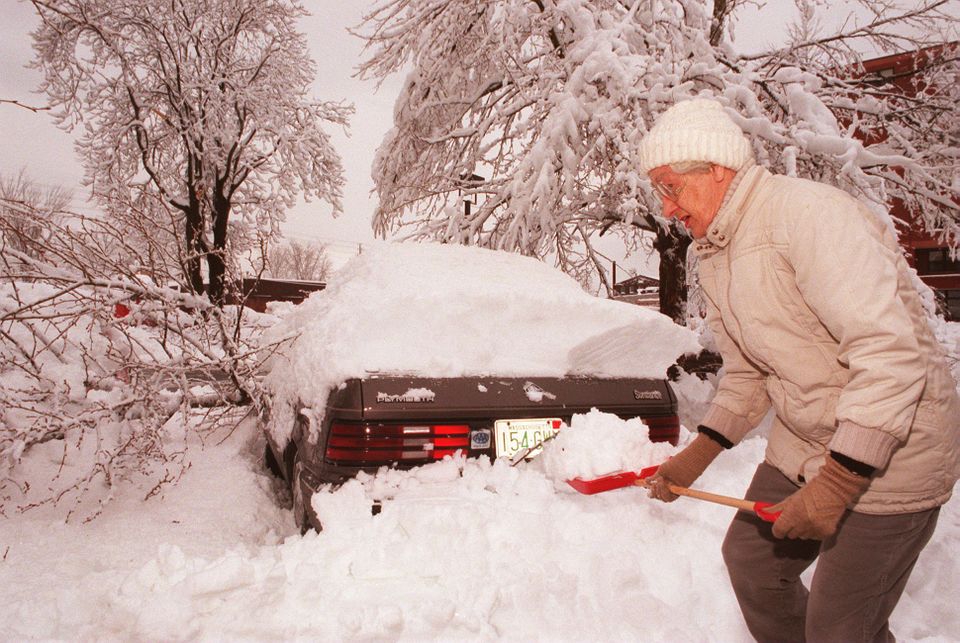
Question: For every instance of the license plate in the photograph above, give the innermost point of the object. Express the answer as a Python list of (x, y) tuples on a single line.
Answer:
[(514, 436)]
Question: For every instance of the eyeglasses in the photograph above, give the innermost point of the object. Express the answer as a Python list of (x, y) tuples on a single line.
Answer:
[(667, 191)]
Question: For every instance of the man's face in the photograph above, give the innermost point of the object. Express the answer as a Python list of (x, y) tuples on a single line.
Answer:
[(693, 198)]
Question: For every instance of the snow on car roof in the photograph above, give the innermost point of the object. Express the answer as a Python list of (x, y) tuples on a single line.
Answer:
[(446, 311)]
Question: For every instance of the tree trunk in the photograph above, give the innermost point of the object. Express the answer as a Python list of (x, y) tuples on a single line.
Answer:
[(672, 240), (216, 259), (672, 243), (195, 246), (721, 9)]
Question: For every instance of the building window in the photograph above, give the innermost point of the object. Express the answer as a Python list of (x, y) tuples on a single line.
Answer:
[(880, 77), (935, 261), (951, 301)]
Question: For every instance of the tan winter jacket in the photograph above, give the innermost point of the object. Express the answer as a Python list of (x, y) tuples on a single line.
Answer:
[(814, 312)]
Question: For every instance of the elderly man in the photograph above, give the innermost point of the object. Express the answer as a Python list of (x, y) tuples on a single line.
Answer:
[(815, 314)]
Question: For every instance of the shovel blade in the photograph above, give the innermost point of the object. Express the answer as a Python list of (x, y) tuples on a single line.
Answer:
[(611, 481)]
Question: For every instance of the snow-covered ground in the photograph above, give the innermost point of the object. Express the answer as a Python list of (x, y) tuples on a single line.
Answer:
[(462, 549)]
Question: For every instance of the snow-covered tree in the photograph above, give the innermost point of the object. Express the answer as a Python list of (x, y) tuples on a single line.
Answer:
[(195, 114), (20, 232), (536, 109), (307, 261)]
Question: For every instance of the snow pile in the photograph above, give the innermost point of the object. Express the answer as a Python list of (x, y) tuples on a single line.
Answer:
[(447, 311), (461, 550), (594, 445)]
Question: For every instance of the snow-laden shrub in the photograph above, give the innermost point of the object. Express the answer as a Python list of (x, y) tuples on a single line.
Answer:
[(98, 366)]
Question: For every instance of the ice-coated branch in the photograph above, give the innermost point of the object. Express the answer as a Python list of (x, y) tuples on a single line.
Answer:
[(202, 104), (99, 346), (548, 101)]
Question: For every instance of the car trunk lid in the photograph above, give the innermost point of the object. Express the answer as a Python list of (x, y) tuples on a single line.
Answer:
[(399, 397)]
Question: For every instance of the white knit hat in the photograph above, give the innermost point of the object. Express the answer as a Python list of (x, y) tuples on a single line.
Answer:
[(695, 130)]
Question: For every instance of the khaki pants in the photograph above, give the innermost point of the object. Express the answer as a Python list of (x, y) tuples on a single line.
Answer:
[(859, 578)]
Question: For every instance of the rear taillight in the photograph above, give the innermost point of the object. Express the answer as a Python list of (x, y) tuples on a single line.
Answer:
[(378, 444), (664, 429)]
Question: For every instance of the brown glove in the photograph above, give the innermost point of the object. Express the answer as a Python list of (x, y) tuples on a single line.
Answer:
[(683, 468), (815, 510)]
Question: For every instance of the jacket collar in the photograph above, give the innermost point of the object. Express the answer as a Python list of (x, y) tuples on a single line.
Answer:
[(730, 214)]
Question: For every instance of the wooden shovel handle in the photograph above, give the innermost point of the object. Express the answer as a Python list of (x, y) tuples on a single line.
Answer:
[(758, 508), (739, 503)]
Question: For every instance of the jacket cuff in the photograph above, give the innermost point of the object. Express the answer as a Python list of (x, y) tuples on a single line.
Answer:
[(716, 436), (730, 425), (853, 466), (869, 446)]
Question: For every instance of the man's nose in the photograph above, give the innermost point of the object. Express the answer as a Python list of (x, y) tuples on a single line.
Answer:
[(669, 208)]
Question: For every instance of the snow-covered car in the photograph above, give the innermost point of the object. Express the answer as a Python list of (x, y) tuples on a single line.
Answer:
[(416, 352)]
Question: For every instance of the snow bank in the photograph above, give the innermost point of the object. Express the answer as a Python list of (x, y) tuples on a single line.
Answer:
[(461, 550), (447, 311)]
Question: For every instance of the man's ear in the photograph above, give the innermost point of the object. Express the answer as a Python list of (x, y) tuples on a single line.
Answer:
[(721, 174)]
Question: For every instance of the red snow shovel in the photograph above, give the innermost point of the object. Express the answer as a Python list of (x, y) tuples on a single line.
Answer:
[(639, 478)]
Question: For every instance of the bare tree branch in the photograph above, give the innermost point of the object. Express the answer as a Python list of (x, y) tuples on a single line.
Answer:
[(32, 108)]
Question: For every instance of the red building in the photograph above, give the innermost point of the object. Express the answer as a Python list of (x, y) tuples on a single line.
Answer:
[(640, 290), (931, 258)]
